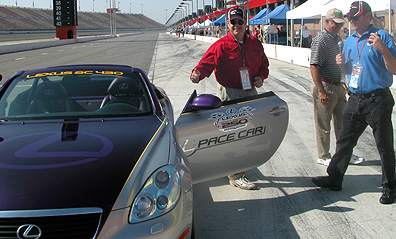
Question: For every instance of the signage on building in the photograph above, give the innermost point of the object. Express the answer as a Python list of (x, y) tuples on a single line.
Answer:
[(65, 13)]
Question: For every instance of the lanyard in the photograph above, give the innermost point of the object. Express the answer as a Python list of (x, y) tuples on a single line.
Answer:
[(357, 48), (243, 53)]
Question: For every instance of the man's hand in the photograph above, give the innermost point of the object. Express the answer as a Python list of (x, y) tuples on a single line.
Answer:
[(194, 77), (390, 61), (376, 42), (324, 99), (340, 58), (258, 81)]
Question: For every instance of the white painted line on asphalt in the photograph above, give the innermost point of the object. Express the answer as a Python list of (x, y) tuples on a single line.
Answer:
[(21, 58)]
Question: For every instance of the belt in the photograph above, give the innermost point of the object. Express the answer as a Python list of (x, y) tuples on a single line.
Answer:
[(331, 82), (368, 95)]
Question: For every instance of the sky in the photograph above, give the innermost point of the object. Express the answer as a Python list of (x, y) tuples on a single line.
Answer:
[(158, 10)]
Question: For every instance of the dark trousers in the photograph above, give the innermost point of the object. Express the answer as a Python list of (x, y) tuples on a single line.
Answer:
[(305, 42), (374, 110)]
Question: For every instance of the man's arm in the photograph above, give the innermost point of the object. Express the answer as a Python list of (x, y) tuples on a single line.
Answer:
[(379, 45), (318, 83)]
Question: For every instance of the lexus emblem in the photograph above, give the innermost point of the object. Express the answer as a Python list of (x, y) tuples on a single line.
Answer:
[(28, 231), (188, 146), (49, 92), (124, 86)]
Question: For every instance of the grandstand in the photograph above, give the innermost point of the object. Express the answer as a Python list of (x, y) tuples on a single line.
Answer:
[(30, 19)]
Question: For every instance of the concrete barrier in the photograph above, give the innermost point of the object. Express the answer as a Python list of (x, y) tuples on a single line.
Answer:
[(294, 55), (17, 46)]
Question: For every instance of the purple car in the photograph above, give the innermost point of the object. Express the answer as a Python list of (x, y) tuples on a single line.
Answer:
[(92, 151)]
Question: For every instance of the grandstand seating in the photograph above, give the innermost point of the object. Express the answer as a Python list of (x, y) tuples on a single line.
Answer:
[(29, 19)]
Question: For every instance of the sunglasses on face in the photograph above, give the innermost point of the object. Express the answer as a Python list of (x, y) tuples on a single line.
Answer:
[(354, 18), (234, 22)]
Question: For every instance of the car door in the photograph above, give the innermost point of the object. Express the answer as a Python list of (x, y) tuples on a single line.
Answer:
[(222, 138)]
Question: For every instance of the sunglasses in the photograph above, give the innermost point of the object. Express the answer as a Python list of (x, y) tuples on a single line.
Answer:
[(354, 18), (234, 22)]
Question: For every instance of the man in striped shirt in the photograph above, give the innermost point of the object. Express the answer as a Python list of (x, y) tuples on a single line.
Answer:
[(327, 90)]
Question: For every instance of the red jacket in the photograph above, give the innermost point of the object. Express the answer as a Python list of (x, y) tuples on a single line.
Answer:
[(224, 58)]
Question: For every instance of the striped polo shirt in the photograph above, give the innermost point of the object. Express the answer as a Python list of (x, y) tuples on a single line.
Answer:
[(324, 49)]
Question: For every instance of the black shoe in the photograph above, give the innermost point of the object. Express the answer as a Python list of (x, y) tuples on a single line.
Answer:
[(325, 182), (388, 196)]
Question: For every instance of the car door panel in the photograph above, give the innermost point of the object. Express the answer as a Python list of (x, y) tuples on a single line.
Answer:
[(240, 135)]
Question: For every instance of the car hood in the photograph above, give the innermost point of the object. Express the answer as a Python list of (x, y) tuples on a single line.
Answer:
[(46, 165)]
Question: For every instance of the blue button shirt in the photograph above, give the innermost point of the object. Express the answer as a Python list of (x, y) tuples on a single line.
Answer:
[(374, 74)]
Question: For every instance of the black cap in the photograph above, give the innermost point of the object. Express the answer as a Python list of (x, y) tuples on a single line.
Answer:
[(236, 13), (358, 8)]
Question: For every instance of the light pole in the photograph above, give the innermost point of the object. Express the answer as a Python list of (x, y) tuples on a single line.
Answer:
[(188, 7), (142, 8), (130, 8), (113, 23), (192, 5), (166, 15), (93, 5), (247, 13), (203, 6), (213, 18), (181, 10)]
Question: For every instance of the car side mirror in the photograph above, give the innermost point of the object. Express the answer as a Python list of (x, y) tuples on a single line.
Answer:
[(205, 101), (1, 77)]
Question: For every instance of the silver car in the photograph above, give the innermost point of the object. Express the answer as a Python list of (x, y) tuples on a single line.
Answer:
[(92, 151)]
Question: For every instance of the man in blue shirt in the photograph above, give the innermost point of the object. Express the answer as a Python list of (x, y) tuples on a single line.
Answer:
[(368, 58)]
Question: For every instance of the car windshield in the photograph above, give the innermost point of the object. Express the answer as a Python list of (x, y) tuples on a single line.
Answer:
[(75, 94)]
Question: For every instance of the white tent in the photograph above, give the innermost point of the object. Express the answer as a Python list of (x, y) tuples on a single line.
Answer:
[(316, 8), (311, 9), (195, 25), (206, 23), (378, 7)]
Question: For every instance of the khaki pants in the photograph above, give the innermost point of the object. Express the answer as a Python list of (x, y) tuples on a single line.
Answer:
[(228, 93), (323, 114)]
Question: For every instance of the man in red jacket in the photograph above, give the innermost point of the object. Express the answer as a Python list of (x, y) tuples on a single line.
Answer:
[(240, 65)]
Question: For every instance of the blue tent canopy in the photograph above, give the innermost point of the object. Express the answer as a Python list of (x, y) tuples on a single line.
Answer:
[(276, 16), (221, 21), (257, 20)]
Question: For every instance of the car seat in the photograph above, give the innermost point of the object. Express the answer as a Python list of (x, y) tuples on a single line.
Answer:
[(49, 97), (124, 90)]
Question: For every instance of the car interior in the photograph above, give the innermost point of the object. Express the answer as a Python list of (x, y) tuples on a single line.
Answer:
[(89, 95)]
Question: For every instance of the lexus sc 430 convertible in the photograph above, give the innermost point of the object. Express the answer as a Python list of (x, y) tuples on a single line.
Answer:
[(92, 151)]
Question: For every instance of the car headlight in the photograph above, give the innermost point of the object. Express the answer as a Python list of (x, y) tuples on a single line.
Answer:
[(158, 196)]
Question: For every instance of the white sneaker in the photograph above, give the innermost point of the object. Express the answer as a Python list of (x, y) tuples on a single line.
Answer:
[(325, 162), (242, 183), (356, 160)]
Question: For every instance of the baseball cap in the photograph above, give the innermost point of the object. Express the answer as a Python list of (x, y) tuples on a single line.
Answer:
[(358, 8), (236, 13), (335, 15)]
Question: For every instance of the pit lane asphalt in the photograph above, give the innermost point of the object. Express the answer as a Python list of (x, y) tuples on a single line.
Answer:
[(286, 203)]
